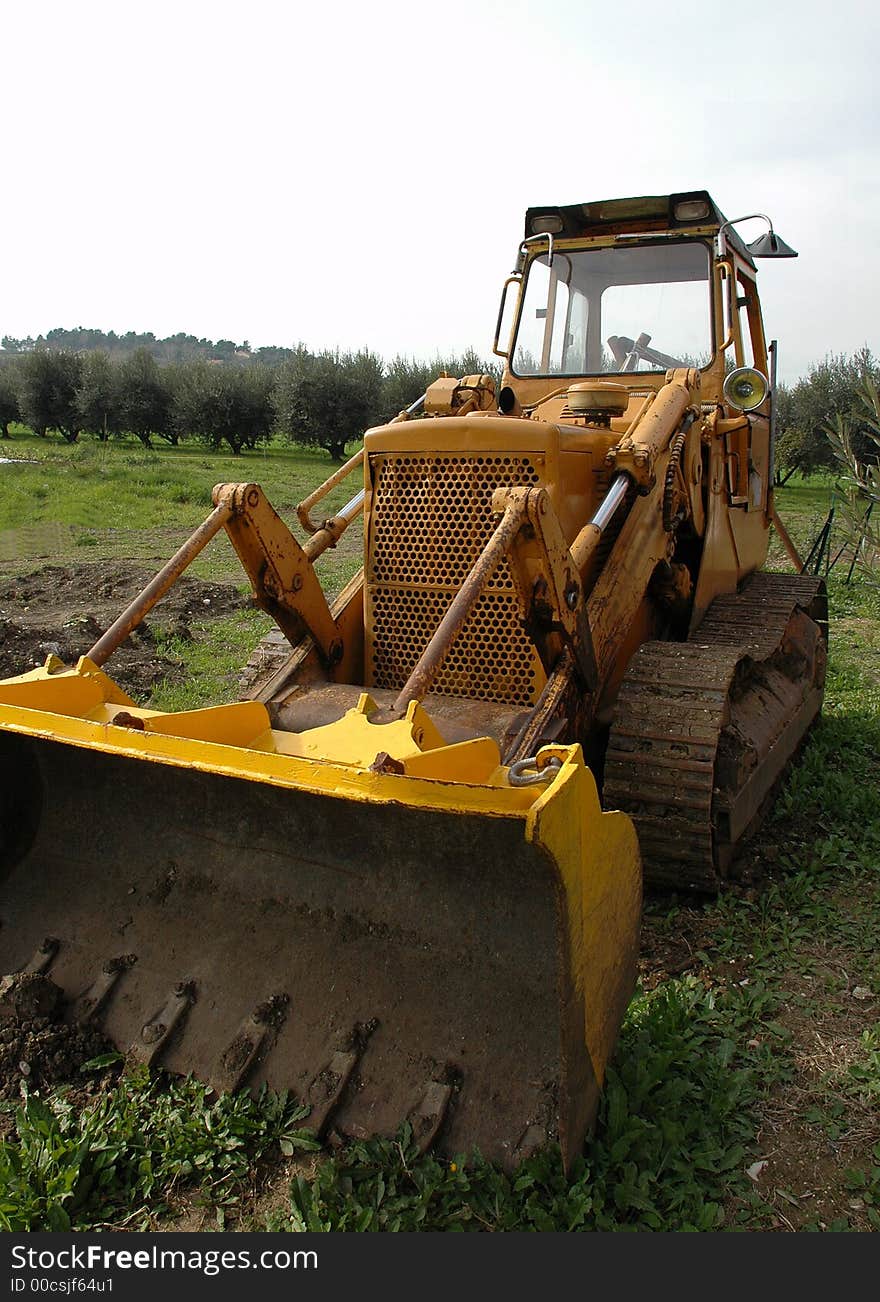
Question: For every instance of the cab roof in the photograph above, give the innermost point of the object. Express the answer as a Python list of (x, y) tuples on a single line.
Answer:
[(648, 215)]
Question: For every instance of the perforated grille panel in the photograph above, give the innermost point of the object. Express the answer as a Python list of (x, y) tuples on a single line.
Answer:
[(431, 518)]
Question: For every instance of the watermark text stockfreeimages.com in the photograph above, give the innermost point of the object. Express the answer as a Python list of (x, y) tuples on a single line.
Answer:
[(95, 1257)]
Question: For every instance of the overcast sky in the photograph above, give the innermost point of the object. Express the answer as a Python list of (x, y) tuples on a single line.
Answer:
[(356, 174)]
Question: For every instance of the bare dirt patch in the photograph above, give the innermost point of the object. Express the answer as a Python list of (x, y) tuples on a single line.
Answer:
[(674, 943), (264, 1200), (802, 1178), (62, 610), (815, 1129)]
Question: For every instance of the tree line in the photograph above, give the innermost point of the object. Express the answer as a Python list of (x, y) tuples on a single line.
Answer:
[(321, 400), (174, 348), (229, 395)]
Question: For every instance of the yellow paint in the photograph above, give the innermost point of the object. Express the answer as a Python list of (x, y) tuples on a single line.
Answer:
[(597, 857), (54, 687), (246, 723), (78, 706), (477, 761), (356, 739)]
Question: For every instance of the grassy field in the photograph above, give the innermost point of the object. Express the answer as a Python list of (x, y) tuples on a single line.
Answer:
[(745, 1090), (91, 500)]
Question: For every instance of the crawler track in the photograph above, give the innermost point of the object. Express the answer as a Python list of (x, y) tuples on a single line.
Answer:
[(705, 728)]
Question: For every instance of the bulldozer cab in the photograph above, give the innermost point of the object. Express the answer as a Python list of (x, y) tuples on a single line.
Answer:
[(634, 288)]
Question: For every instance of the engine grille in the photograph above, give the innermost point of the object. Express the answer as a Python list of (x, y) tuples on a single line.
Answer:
[(431, 518)]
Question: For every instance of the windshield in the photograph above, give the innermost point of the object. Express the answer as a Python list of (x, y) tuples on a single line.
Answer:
[(627, 308)]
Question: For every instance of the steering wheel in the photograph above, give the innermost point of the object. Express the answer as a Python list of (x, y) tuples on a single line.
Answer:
[(628, 353)]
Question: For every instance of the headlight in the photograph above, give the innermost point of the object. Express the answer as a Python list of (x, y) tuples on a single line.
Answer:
[(547, 224), (690, 210), (746, 388)]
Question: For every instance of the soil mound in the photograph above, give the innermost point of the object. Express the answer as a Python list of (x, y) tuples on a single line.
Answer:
[(36, 1046), (63, 610)]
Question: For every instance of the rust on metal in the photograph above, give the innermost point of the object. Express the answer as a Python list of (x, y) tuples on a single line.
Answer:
[(43, 957), (329, 533), (251, 1042), (385, 763), (551, 600), (551, 716), (322, 490), (790, 549), (159, 585), (125, 719), (93, 1001), (281, 572), (327, 1087)]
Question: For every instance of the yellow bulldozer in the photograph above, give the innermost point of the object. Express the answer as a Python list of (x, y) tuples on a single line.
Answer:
[(404, 878)]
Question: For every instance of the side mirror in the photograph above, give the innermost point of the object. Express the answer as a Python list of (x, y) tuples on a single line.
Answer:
[(766, 246)]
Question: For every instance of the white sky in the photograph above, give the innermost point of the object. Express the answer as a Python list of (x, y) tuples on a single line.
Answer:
[(356, 174)]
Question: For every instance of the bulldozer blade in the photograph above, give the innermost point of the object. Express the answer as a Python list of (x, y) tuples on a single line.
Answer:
[(390, 948)]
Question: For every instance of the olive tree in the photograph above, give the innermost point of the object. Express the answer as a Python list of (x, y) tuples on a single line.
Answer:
[(328, 399), (98, 396), (805, 411), (220, 404), (47, 397), (8, 398), (144, 398), (406, 379)]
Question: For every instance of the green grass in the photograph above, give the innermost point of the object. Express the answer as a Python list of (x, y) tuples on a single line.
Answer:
[(120, 1158), (124, 485), (92, 501), (210, 662), (805, 497)]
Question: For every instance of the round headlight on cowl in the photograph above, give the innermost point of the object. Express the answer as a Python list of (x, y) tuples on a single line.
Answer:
[(746, 388)]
